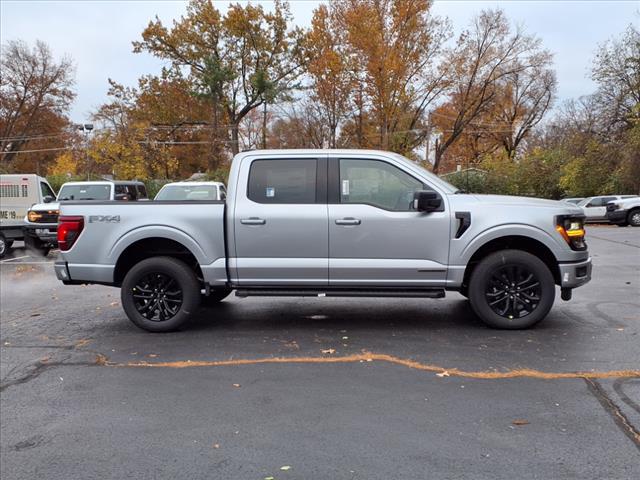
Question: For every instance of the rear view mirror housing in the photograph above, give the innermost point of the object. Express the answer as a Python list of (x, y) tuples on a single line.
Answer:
[(427, 201), (47, 199)]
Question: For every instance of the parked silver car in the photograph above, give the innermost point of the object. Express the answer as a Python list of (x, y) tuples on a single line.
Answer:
[(324, 223), (595, 208)]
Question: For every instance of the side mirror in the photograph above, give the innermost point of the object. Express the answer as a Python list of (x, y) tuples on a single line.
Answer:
[(47, 199), (426, 201), (122, 197)]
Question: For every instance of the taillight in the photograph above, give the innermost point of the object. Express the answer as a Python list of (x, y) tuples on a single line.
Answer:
[(69, 229), (572, 230)]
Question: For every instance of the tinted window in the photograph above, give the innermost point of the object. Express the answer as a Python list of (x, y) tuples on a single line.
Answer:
[(142, 191), (85, 192), (46, 190), (283, 181), (377, 183), (188, 192)]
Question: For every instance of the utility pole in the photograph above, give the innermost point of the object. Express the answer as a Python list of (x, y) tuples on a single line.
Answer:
[(86, 128), (264, 125)]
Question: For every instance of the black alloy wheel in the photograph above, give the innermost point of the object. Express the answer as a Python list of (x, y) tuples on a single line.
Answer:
[(157, 297), (513, 291)]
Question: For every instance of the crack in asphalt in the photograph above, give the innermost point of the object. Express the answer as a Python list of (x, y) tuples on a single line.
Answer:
[(620, 419), (369, 357)]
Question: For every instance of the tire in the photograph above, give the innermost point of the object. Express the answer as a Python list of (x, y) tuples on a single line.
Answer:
[(144, 285), (35, 246), (214, 297), (496, 279), (633, 218), (4, 246)]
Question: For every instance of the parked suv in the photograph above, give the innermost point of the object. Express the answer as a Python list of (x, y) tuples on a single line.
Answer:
[(324, 223), (41, 221), (624, 212)]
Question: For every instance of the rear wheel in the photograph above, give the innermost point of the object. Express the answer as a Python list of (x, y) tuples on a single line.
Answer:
[(511, 289), (160, 294), (634, 218), (36, 246)]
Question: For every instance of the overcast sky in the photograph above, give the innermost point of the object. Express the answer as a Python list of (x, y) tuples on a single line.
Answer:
[(98, 34)]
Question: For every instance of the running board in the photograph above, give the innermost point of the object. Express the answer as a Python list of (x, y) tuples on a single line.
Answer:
[(342, 292)]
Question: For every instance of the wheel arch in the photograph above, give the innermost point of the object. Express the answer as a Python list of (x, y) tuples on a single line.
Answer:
[(512, 242), (153, 247)]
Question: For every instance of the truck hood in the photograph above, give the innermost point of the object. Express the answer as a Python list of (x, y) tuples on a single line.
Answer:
[(507, 200), (45, 206)]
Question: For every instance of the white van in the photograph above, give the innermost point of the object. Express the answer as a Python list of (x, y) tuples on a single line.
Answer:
[(18, 192)]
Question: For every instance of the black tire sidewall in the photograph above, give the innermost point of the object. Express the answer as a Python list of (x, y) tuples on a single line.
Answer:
[(629, 217), (183, 275), (6, 246), (481, 275)]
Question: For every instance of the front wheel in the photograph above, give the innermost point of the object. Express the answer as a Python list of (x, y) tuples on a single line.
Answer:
[(160, 294), (4, 246), (634, 218), (511, 289)]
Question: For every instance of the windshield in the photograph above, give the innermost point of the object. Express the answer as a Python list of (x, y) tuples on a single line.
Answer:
[(84, 192), (446, 186), (188, 192), (582, 203)]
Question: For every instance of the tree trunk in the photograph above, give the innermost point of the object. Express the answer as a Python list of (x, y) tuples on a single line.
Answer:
[(235, 142)]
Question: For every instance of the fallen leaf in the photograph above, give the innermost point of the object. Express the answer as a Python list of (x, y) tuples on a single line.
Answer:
[(152, 355), (269, 478), (520, 422), (113, 304), (328, 350), (443, 374), (285, 468), (237, 385), (216, 445), (345, 338)]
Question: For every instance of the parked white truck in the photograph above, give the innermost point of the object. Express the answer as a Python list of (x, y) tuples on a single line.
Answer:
[(18, 192), (328, 223)]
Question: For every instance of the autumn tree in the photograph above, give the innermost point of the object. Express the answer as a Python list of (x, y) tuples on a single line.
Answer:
[(240, 60), (397, 45), (36, 92), (492, 64), (331, 69)]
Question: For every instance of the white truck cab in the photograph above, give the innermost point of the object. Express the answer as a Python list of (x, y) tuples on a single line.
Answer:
[(18, 193)]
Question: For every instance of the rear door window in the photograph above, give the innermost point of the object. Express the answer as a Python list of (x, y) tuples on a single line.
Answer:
[(283, 181)]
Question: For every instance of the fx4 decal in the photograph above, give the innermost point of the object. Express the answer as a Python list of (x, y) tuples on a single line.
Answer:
[(104, 218)]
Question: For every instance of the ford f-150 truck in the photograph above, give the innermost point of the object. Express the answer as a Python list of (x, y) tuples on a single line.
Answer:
[(327, 223)]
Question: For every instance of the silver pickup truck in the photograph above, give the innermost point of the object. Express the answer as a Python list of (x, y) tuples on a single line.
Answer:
[(326, 223)]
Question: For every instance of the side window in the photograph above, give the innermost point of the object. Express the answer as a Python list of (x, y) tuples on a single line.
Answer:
[(596, 202), (131, 190), (142, 191), (46, 190), (223, 193), (377, 183), (283, 181)]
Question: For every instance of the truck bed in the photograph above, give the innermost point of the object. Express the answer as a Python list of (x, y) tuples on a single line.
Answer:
[(197, 225)]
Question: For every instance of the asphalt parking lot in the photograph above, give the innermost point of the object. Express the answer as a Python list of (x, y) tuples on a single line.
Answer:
[(321, 388)]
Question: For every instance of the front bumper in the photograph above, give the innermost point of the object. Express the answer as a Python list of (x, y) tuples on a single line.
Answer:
[(45, 232), (617, 216), (575, 274)]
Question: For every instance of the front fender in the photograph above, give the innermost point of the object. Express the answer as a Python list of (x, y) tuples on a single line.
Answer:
[(560, 251)]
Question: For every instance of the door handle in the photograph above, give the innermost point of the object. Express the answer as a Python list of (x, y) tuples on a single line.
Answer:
[(253, 221), (348, 221)]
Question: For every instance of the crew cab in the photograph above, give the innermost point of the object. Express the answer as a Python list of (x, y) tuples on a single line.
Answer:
[(625, 211), (324, 223), (41, 221)]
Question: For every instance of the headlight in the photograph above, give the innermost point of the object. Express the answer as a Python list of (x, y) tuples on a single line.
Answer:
[(571, 228), (33, 216)]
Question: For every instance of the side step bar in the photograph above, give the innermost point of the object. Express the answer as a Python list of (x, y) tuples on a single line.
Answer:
[(342, 292)]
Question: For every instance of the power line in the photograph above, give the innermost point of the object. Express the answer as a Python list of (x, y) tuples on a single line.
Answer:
[(34, 151)]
